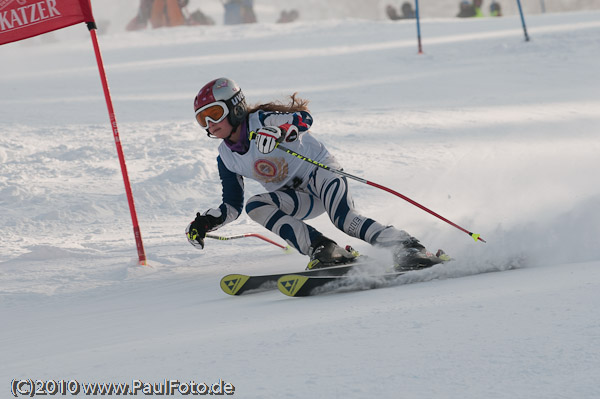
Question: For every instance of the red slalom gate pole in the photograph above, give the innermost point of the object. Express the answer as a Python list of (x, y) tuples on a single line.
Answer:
[(113, 123), (476, 237)]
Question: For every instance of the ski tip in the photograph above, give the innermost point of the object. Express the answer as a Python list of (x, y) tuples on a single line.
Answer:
[(232, 283), (291, 284)]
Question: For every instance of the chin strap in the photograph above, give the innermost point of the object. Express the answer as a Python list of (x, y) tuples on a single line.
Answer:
[(211, 136)]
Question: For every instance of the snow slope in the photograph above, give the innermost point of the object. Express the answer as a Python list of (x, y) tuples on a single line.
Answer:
[(496, 134)]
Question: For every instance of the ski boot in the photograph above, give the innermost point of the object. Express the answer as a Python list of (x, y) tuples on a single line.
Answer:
[(412, 255), (326, 253)]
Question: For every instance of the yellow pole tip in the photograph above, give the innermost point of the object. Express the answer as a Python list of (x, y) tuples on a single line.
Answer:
[(288, 249)]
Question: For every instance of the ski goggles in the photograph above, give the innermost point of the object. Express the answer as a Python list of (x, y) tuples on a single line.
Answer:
[(214, 112)]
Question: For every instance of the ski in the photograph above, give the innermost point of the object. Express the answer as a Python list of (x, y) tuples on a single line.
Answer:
[(237, 284), (301, 285), (298, 285)]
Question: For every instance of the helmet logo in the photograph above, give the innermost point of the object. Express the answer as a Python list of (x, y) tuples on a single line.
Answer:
[(221, 84), (238, 98)]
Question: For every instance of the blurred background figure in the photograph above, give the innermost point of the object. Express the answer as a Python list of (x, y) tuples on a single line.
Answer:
[(407, 11), (199, 18), (495, 9), (166, 13), (477, 6), (239, 12), (465, 9), (288, 16), (468, 10)]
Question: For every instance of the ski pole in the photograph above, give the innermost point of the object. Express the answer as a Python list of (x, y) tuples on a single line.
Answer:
[(523, 21), (223, 238), (389, 190)]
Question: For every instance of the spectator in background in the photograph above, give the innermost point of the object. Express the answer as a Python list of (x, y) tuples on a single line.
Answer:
[(468, 10), (288, 16), (239, 12), (465, 10), (199, 18), (166, 13), (495, 9), (407, 11), (477, 6)]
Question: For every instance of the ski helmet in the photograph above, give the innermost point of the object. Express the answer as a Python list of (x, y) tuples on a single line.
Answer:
[(228, 99)]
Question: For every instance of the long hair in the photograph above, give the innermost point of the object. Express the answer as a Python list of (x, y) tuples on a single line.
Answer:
[(296, 104)]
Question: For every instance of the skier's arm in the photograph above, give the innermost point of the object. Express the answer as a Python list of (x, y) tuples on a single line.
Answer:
[(228, 211), (233, 197), (301, 119), (233, 193)]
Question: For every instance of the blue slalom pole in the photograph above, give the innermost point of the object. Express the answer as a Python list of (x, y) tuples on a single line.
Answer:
[(523, 21), (418, 26)]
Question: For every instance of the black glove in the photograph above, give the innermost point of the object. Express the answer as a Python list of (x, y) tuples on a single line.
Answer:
[(196, 231)]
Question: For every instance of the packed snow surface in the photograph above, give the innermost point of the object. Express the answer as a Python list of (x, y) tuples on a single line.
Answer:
[(497, 134)]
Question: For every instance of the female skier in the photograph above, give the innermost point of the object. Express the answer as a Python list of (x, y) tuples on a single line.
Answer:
[(296, 189)]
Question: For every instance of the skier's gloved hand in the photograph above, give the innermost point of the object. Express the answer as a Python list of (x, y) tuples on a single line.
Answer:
[(289, 132), (209, 221), (267, 138)]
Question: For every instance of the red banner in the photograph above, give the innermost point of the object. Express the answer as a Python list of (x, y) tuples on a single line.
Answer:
[(20, 19)]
